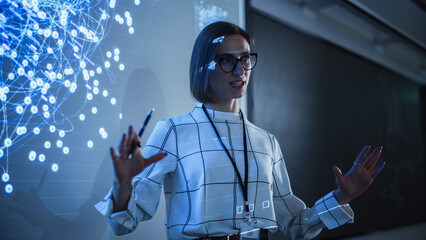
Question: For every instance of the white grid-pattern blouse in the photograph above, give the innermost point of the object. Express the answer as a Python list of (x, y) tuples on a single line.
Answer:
[(203, 196)]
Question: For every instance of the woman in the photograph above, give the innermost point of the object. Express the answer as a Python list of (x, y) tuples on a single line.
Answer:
[(223, 177)]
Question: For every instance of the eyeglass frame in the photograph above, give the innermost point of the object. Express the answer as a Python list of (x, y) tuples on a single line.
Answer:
[(237, 60)]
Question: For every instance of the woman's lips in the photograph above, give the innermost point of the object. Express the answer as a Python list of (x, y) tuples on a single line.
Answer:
[(237, 84)]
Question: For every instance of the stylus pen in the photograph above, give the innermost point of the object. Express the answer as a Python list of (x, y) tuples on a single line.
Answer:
[(145, 123)]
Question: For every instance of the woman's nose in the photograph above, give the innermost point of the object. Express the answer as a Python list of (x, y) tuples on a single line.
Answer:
[(239, 70)]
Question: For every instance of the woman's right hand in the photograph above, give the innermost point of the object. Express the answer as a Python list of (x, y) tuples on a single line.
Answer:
[(126, 166), (129, 164)]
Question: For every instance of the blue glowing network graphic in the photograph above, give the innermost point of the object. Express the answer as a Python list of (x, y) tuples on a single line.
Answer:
[(46, 50)]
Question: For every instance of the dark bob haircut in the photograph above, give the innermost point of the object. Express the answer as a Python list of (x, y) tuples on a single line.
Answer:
[(204, 53)]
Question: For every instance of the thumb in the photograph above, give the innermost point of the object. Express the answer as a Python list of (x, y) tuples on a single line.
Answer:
[(155, 158), (337, 173)]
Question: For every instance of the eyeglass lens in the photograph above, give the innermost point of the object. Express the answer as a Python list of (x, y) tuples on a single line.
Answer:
[(228, 62)]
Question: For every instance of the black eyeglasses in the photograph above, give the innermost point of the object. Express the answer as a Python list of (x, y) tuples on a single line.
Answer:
[(228, 63)]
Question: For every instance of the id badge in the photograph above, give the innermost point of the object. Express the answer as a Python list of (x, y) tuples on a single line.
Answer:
[(248, 231)]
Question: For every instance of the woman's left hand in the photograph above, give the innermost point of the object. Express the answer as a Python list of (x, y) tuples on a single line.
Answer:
[(359, 177)]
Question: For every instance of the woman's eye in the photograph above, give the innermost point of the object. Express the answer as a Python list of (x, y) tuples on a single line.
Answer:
[(226, 59)]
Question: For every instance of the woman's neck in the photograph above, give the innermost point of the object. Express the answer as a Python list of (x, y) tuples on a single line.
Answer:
[(229, 106)]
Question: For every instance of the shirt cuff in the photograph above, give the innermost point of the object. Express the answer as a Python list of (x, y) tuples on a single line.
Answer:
[(331, 213), (124, 218)]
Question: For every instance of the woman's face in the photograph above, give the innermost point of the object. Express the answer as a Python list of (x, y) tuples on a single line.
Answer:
[(226, 87)]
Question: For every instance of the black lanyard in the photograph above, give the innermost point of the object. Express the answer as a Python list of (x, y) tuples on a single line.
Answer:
[(244, 186)]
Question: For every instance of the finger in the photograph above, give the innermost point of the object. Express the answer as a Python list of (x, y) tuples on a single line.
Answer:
[(130, 138), (154, 159), (122, 146), (361, 156), (113, 154), (371, 160), (338, 174), (377, 170)]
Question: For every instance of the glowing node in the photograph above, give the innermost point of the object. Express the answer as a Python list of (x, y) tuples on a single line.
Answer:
[(36, 130), (131, 30), (21, 71), (8, 188), (121, 67), (39, 82), (46, 114), (67, 83), (109, 54), (89, 96), (52, 99), (47, 144), (73, 32), (32, 155), (137, 2), (19, 109), (46, 86), (66, 150), (41, 158), (83, 64), (25, 63), (52, 129), (75, 48), (8, 142), (44, 91), (55, 167), (61, 133), (59, 76), (47, 33), (50, 50), (5, 177), (96, 82), (49, 66), (59, 143), (30, 74), (13, 54), (105, 93), (27, 100), (11, 76), (116, 58), (36, 57), (95, 90), (116, 51), (107, 64), (1, 153), (21, 130), (90, 144), (60, 42), (55, 34), (113, 101), (120, 116), (94, 110), (45, 107), (92, 73), (99, 70), (82, 117)]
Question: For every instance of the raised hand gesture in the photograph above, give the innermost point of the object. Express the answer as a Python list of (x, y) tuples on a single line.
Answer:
[(127, 165), (359, 177)]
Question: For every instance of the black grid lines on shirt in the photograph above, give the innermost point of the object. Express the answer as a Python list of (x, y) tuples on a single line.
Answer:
[(323, 200), (204, 164), (235, 188)]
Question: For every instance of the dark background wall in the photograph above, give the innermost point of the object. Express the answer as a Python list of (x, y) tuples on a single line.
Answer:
[(324, 104)]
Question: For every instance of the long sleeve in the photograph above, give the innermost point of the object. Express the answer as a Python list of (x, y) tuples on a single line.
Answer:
[(147, 186), (294, 219)]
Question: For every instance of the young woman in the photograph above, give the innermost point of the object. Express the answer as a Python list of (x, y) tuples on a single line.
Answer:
[(223, 177)]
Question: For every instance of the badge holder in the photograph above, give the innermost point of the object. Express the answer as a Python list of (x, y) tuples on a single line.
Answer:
[(248, 231)]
